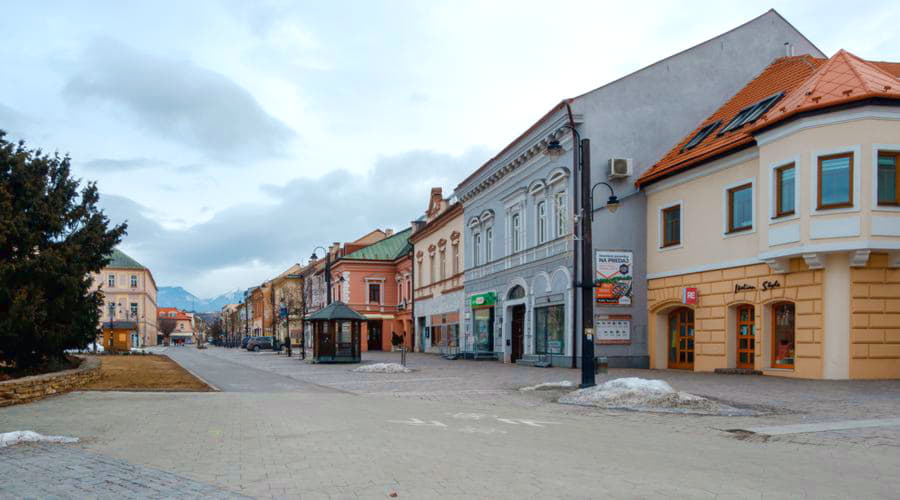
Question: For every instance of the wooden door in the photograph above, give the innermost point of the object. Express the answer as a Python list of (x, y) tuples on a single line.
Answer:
[(517, 332), (746, 337), (374, 338), (325, 338), (681, 339)]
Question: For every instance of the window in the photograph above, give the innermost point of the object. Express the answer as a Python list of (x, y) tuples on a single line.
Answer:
[(111, 280), (783, 335), (134, 281), (443, 264), (784, 190), (561, 214), (888, 180), (542, 222), (374, 293), (740, 208), (516, 224), (548, 329), (835, 187), (517, 292), (671, 222), (431, 272), (456, 259), (489, 244), (134, 309), (476, 250), (111, 309), (700, 135), (419, 274), (751, 113)]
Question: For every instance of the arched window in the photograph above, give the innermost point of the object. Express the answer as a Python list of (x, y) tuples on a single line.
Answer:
[(517, 292), (541, 222)]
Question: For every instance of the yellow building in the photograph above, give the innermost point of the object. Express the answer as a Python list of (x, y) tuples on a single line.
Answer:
[(773, 229), (129, 307)]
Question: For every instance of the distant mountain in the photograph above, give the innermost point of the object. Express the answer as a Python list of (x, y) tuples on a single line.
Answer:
[(175, 296)]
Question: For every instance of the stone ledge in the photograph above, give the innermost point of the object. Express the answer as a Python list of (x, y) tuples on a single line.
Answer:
[(28, 389)]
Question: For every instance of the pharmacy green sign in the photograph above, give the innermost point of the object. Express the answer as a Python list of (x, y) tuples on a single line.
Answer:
[(483, 299)]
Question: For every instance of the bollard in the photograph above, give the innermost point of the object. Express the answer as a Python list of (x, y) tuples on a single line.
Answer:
[(403, 355), (601, 364)]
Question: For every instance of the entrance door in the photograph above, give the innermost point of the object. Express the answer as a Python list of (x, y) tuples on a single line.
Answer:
[(746, 337), (518, 332), (374, 339), (325, 339), (681, 339)]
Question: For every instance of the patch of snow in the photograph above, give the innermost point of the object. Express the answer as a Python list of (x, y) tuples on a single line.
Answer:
[(17, 437), (640, 394), (383, 368), (89, 349), (547, 386)]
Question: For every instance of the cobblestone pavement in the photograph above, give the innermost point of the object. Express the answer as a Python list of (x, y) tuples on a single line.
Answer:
[(69, 472), (462, 429)]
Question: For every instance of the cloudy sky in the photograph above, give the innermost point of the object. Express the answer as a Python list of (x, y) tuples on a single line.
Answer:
[(236, 136)]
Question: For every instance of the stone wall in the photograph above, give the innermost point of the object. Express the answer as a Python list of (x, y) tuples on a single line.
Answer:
[(27, 389), (875, 320)]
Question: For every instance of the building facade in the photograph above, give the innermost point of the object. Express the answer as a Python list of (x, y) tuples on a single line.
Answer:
[(773, 230), (520, 207), (376, 282), (129, 294), (287, 293), (438, 247), (185, 327)]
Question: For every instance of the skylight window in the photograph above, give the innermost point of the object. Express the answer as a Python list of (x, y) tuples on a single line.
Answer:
[(751, 113), (698, 138)]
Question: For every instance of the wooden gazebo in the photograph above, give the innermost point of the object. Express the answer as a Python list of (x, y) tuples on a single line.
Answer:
[(336, 330)]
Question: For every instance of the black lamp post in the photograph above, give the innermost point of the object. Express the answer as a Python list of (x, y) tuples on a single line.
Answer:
[(582, 180)]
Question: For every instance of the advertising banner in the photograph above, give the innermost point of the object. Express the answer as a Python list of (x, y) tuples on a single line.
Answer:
[(612, 277)]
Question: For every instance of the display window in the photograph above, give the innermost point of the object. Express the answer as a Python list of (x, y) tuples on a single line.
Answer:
[(783, 335), (549, 329)]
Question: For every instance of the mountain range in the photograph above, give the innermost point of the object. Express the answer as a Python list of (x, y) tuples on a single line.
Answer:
[(175, 296)]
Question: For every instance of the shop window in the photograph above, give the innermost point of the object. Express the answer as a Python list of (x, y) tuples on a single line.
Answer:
[(484, 329), (835, 181), (783, 318), (746, 336), (374, 293), (671, 226), (549, 329), (541, 222), (740, 208), (785, 179), (888, 178)]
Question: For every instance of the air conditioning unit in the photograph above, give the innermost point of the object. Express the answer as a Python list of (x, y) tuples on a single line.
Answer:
[(620, 168)]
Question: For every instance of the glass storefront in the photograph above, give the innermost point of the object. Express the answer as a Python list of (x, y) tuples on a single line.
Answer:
[(549, 325), (484, 329)]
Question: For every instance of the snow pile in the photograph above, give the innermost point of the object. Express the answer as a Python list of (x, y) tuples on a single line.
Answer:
[(17, 437), (634, 393), (383, 368), (548, 386)]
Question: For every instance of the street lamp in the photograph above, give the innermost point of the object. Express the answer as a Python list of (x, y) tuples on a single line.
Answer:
[(327, 272)]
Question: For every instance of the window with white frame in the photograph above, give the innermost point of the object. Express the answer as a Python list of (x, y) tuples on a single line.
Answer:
[(111, 280), (476, 249), (516, 229), (562, 214), (541, 222), (134, 281), (455, 258), (489, 244)]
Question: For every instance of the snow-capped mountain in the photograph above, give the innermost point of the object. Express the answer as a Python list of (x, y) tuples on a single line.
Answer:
[(175, 296)]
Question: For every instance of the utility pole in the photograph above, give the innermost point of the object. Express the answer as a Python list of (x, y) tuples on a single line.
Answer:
[(587, 278)]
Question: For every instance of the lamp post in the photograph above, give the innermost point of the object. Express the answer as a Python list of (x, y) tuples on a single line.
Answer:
[(327, 272), (584, 251)]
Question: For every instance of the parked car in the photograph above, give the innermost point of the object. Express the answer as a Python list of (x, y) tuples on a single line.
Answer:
[(244, 341), (256, 344)]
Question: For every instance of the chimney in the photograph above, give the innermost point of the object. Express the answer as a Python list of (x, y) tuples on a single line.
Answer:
[(388, 233), (788, 49)]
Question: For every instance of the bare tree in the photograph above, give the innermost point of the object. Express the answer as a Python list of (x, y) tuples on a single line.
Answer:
[(292, 305), (166, 327)]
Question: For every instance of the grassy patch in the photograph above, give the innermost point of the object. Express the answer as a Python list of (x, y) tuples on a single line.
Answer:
[(144, 373)]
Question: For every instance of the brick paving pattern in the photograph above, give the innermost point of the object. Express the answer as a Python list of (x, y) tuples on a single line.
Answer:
[(56, 471)]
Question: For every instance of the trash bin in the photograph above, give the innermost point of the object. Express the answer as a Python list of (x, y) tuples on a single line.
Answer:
[(601, 364)]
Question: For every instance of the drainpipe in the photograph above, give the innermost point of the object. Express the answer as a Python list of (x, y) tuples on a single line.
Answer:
[(412, 298), (575, 146)]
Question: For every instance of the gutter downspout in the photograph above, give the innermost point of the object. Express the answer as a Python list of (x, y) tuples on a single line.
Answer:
[(575, 146)]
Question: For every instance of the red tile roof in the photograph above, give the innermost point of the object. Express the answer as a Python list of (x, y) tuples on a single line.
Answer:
[(809, 84)]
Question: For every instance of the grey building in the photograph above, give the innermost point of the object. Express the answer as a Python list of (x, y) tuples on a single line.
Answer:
[(520, 207)]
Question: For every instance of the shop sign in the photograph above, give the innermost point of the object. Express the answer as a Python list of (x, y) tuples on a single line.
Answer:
[(613, 329), (689, 295), (483, 300), (612, 277), (766, 285)]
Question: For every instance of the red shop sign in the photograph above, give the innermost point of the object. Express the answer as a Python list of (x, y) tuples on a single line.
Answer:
[(689, 295)]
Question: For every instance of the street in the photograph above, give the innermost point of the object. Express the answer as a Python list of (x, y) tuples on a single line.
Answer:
[(270, 435)]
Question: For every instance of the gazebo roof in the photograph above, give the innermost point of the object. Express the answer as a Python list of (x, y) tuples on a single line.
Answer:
[(336, 310)]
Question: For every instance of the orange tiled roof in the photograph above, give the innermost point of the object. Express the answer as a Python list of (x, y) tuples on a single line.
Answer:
[(808, 83)]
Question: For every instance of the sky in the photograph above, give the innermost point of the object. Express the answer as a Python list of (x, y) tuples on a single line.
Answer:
[(234, 137)]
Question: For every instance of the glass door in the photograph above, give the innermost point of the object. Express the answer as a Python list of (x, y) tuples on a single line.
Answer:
[(746, 337), (681, 339)]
